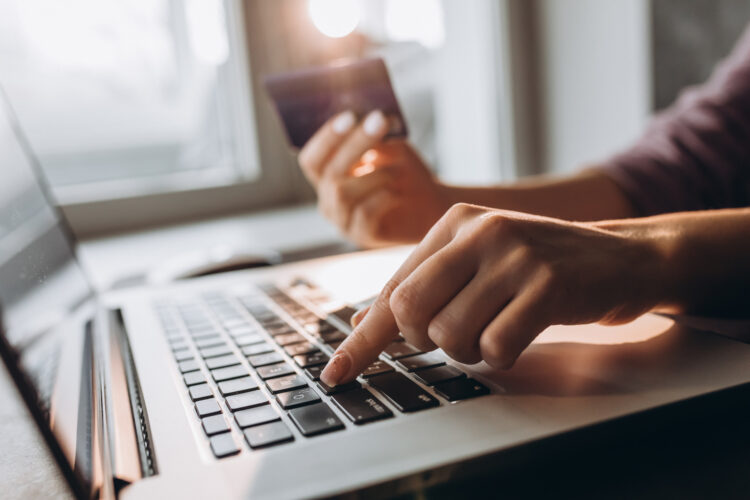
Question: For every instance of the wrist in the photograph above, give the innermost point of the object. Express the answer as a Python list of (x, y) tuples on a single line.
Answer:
[(487, 197), (655, 270)]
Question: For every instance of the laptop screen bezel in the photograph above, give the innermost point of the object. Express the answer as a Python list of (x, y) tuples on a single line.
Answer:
[(20, 378)]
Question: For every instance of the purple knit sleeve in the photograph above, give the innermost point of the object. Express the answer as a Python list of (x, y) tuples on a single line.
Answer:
[(696, 154)]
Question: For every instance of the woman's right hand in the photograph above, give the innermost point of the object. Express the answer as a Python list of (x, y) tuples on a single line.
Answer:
[(377, 193)]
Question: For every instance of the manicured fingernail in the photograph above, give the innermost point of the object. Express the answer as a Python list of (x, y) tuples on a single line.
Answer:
[(374, 123), (344, 122), (336, 369)]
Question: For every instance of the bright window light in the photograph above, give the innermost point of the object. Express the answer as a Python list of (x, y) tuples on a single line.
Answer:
[(415, 20), (335, 18), (207, 31)]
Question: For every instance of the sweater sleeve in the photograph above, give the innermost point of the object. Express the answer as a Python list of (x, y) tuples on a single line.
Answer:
[(696, 154)]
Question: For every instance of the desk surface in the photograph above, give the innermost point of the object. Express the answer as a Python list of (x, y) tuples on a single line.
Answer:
[(27, 468)]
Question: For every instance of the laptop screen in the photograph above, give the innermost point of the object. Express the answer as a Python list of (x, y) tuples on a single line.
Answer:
[(43, 294)]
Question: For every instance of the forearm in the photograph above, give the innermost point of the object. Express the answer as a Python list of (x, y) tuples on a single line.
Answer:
[(704, 259), (588, 196)]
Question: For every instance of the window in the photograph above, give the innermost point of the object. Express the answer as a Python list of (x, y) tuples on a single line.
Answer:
[(130, 98), (450, 67), (153, 111)]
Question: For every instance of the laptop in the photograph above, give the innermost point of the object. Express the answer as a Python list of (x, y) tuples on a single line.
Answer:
[(209, 388)]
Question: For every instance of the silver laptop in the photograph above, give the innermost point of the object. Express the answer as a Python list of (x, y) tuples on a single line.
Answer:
[(209, 388)]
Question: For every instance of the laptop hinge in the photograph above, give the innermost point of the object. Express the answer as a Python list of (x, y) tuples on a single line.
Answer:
[(130, 449)]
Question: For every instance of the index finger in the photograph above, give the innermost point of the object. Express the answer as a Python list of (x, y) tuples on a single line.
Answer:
[(378, 328)]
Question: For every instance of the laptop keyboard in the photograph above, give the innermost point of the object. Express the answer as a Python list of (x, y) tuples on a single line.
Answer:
[(251, 374)]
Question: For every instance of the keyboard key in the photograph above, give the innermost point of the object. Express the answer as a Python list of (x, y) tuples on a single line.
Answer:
[(377, 368), (253, 339), (212, 352), (462, 388), (246, 400), (361, 407), (200, 391), (233, 322), (241, 331), (318, 327), (179, 345), (256, 416), (213, 341), (315, 419), (270, 320), (296, 398), (183, 355), (331, 337), (244, 384), (335, 345), (328, 390), (214, 425), (277, 370), (281, 329), (398, 350), (208, 335), (222, 361), (206, 407), (432, 376), (345, 314), (265, 359), (305, 317), (314, 359), (301, 348), (193, 378), (201, 329), (265, 435), (223, 445), (289, 338), (420, 362), (288, 383), (403, 393), (174, 334), (314, 372), (229, 373), (252, 350), (190, 365)]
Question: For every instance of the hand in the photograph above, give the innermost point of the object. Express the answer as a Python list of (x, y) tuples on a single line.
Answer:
[(376, 192), (484, 283)]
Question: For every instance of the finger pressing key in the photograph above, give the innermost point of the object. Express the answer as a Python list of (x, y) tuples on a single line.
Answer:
[(378, 328)]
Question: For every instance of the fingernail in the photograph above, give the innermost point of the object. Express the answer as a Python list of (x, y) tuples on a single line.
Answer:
[(336, 369), (343, 122), (357, 317), (374, 123)]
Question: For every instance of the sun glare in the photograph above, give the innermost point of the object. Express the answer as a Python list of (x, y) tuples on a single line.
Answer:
[(335, 18)]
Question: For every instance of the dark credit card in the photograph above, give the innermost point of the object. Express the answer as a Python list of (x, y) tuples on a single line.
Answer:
[(306, 99)]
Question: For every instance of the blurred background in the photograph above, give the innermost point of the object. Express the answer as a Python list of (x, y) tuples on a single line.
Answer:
[(145, 112)]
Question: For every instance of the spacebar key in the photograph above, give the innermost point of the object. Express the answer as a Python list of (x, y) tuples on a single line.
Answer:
[(403, 393)]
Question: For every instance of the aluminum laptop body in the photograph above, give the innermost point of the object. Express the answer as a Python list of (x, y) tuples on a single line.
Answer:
[(106, 376)]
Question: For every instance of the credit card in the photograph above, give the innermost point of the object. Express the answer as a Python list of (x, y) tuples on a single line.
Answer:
[(305, 99)]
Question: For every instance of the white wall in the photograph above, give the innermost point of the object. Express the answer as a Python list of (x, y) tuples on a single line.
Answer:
[(469, 90), (595, 70)]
